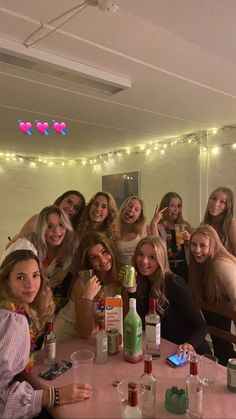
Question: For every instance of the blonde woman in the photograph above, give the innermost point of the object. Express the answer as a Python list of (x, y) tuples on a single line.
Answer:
[(181, 320), (212, 276), (25, 305), (219, 214), (131, 223)]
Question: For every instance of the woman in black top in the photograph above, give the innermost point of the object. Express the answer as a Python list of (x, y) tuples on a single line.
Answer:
[(181, 320)]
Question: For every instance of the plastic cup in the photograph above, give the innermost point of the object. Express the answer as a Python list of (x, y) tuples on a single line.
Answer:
[(179, 228), (82, 365), (122, 390), (86, 274), (208, 369)]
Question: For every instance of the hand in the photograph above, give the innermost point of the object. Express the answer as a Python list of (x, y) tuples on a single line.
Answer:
[(158, 215), (186, 348), (91, 287), (73, 393), (186, 235)]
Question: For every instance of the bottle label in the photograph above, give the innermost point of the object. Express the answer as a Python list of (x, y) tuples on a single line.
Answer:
[(153, 335), (133, 344), (104, 344), (50, 350)]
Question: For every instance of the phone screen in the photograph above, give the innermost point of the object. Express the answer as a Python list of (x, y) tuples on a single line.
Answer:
[(176, 361)]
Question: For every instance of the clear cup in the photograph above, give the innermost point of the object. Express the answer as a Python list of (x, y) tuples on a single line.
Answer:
[(122, 390), (86, 274), (179, 229), (208, 369), (82, 366)]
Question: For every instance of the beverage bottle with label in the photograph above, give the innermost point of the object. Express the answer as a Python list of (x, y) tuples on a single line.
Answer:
[(148, 379), (101, 343), (194, 391), (153, 330), (133, 334), (132, 410), (49, 345)]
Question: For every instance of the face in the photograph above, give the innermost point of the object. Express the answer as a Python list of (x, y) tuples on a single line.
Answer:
[(71, 205), (174, 209), (132, 211), (200, 247), (24, 280), (146, 260), (100, 258), (99, 209), (217, 203), (55, 230)]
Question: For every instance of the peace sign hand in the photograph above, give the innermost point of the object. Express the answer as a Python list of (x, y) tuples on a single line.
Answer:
[(157, 217)]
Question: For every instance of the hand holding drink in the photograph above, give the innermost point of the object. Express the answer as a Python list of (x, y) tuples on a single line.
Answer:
[(179, 230)]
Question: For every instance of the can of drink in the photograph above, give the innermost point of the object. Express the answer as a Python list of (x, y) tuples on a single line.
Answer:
[(231, 374), (129, 279), (113, 341)]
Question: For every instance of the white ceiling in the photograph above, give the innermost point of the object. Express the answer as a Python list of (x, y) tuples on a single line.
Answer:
[(179, 56)]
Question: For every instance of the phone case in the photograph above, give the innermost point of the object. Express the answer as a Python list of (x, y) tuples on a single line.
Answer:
[(55, 370)]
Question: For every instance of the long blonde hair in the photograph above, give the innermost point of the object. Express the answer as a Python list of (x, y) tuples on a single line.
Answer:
[(138, 226), (158, 280), (203, 277), (41, 309)]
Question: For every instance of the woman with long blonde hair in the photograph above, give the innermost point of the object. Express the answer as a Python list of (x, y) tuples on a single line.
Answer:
[(181, 320), (212, 277), (219, 214), (25, 306)]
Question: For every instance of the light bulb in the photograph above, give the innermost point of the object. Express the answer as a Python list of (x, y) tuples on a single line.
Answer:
[(107, 6)]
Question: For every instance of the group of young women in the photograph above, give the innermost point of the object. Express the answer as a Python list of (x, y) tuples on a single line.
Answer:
[(68, 237)]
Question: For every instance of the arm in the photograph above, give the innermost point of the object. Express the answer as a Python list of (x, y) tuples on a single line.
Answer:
[(83, 294), (157, 217), (26, 230), (226, 275), (232, 237)]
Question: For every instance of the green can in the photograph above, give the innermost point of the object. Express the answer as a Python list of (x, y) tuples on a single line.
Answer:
[(129, 279), (231, 374)]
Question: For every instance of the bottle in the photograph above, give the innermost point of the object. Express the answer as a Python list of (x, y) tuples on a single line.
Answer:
[(148, 379), (194, 391), (132, 334), (101, 343), (49, 345), (153, 330), (132, 410)]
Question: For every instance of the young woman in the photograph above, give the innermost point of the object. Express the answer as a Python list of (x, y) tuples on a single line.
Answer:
[(72, 202), (219, 214), (163, 223), (181, 320), (100, 215), (25, 305), (212, 276), (78, 317), (53, 241), (131, 223)]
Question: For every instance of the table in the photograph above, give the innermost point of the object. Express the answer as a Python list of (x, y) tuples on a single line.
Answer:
[(218, 401)]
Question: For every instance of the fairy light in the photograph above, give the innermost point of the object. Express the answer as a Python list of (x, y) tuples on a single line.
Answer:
[(162, 151), (215, 150), (234, 145)]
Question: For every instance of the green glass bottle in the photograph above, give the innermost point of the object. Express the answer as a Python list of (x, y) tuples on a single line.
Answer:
[(133, 351)]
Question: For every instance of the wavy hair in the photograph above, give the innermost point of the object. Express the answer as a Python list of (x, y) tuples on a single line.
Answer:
[(139, 224), (109, 225), (41, 309), (158, 279), (225, 218), (76, 219), (165, 202), (204, 277), (67, 245)]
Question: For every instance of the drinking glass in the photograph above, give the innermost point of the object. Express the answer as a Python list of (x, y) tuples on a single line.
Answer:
[(179, 228), (82, 365), (208, 369), (86, 274)]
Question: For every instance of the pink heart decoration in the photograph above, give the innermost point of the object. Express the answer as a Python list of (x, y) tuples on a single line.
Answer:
[(57, 127), (40, 128), (25, 126)]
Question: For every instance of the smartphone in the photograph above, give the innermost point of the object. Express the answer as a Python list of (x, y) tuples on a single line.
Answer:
[(177, 361), (55, 370)]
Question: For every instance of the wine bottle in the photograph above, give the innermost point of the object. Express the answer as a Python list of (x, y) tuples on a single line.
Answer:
[(194, 391), (101, 343), (148, 379), (49, 345), (132, 334), (132, 410), (153, 330)]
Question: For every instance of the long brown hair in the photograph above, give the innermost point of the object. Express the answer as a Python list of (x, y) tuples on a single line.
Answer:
[(165, 202), (204, 277), (76, 218), (158, 280), (225, 218)]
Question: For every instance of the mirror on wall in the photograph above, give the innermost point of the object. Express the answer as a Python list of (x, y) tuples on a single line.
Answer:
[(121, 185)]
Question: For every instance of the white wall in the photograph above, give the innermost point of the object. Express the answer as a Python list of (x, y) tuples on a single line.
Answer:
[(25, 190)]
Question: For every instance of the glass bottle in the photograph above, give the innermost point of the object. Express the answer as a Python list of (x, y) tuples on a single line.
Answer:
[(153, 330), (148, 379), (132, 410), (132, 334), (194, 391), (49, 345), (101, 343)]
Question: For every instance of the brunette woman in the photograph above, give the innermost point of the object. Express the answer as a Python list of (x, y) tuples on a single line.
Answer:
[(212, 276), (219, 214), (25, 305)]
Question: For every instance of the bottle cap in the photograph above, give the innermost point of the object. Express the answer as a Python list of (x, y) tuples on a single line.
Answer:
[(148, 363), (152, 304), (132, 303), (193, 365)]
